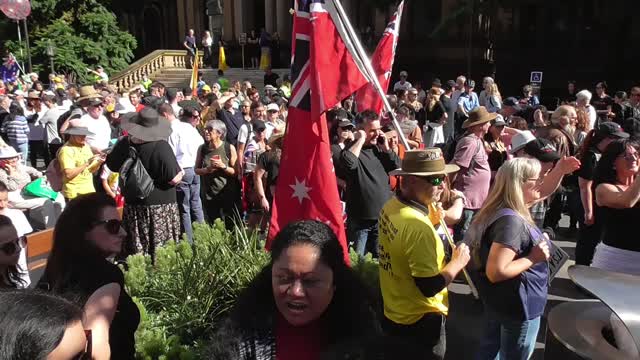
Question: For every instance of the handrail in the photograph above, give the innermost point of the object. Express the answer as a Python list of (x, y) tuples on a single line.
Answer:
[(150, 65)]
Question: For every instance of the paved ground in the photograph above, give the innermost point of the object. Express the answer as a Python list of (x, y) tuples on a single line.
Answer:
[(465, 328)]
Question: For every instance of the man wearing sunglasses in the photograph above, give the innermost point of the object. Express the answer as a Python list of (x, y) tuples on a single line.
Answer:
[(22, 227), (413, 272)]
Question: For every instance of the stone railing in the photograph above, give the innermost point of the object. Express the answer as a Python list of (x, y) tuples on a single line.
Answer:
[(150, 65)]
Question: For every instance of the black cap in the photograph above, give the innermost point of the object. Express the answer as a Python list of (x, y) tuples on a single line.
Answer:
[(259, 125), (541, 149), (436, 82), (345, 123), (611, 129), (511, 101), (450, 84)]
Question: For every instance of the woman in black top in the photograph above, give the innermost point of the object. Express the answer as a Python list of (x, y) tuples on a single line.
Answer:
[(87, 232), (268, 167), (589, 154), (215, 164), (254, 49), (617, 193), (10, 245), (154, 220)]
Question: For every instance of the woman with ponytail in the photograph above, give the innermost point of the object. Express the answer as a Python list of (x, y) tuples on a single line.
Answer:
[(589, 154)]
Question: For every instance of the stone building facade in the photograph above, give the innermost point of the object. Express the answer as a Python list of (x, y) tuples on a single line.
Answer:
[(570, 39)]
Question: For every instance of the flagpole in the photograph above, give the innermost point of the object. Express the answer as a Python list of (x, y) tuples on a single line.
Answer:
[(370, 73)]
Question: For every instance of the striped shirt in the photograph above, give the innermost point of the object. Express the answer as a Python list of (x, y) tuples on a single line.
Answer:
[(17, 129)]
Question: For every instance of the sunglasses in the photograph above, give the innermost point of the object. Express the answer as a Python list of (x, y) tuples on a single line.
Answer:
[(433, 180), (113, 226), (13, 247)]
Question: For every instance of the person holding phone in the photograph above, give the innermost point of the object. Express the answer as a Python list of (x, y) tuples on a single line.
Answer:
[(78, 163), (215, 163), (366, 163)]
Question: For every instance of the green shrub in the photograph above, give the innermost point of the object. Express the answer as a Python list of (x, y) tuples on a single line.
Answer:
[(190, 289), (367, 267)]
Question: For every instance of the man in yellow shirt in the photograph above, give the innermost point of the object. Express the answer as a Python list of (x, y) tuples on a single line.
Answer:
[(413, 274), (78, 163)]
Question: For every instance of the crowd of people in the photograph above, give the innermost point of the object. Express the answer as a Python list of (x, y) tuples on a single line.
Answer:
[(495, 174), (262, 49)]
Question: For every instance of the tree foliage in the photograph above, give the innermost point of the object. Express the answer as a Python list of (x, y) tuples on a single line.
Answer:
[(85, 33)]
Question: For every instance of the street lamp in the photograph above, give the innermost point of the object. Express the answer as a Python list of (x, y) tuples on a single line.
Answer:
[(51, 52)]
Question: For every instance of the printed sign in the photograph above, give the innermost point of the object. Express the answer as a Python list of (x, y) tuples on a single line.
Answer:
[(536, 77), (557, 258), (242, 40)]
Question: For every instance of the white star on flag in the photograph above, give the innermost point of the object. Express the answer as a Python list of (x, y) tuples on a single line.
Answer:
[(300, 190)]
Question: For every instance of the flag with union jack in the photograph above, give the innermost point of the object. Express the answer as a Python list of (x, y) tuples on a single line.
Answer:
[(367, 98), (325, 69), (10, 69)]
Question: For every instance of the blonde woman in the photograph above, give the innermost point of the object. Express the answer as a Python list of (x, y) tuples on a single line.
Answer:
[(493, 98), (582, 126), (207, 42), (509, 253)]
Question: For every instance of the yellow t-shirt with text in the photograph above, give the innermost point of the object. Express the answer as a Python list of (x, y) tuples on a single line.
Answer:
[(408, 247), (70, 157)]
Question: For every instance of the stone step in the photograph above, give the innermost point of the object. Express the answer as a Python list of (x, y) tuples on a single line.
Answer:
[(179, 78)]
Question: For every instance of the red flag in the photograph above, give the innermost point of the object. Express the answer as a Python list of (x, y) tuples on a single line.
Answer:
[(382, 61), (324, 72)]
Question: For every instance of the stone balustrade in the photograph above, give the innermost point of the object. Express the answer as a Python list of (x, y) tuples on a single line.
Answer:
[(150, 65)]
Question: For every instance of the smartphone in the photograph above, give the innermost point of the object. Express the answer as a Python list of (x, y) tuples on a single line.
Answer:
[(216, 157)]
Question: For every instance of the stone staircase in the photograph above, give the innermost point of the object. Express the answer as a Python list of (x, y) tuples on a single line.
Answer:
[(179, 78)]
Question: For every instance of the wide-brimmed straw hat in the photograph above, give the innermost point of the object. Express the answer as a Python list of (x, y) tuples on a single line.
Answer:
[(33, 95), (78, 130), (424, 162), (276, 138), (478, 116), (8, 152), (88, 92), (146, 125)]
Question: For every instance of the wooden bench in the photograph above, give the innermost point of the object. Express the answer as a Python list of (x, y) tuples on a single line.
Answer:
[(39, 245)]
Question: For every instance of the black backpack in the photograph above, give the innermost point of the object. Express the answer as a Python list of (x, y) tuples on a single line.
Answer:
[(135, 181), (449, 150)]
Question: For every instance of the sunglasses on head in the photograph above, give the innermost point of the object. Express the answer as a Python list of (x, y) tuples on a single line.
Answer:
[(433, 180), (14, 246), (113, 226)]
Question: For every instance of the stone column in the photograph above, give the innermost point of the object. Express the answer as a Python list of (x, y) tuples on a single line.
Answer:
[(269, 16), (238, 17), (283, 21), (182, 19), (228, 32)]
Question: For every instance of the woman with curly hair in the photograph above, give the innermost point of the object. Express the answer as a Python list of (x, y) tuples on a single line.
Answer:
[(305, 304), (582, 127)]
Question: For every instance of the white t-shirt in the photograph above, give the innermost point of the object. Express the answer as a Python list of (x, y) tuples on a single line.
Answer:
[(185, 142), (245, 132), (23, 227), (399, 85), (593, 116), (100, 128)]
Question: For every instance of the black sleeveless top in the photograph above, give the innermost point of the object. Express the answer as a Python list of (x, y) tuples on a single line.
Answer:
[(618, 228)]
